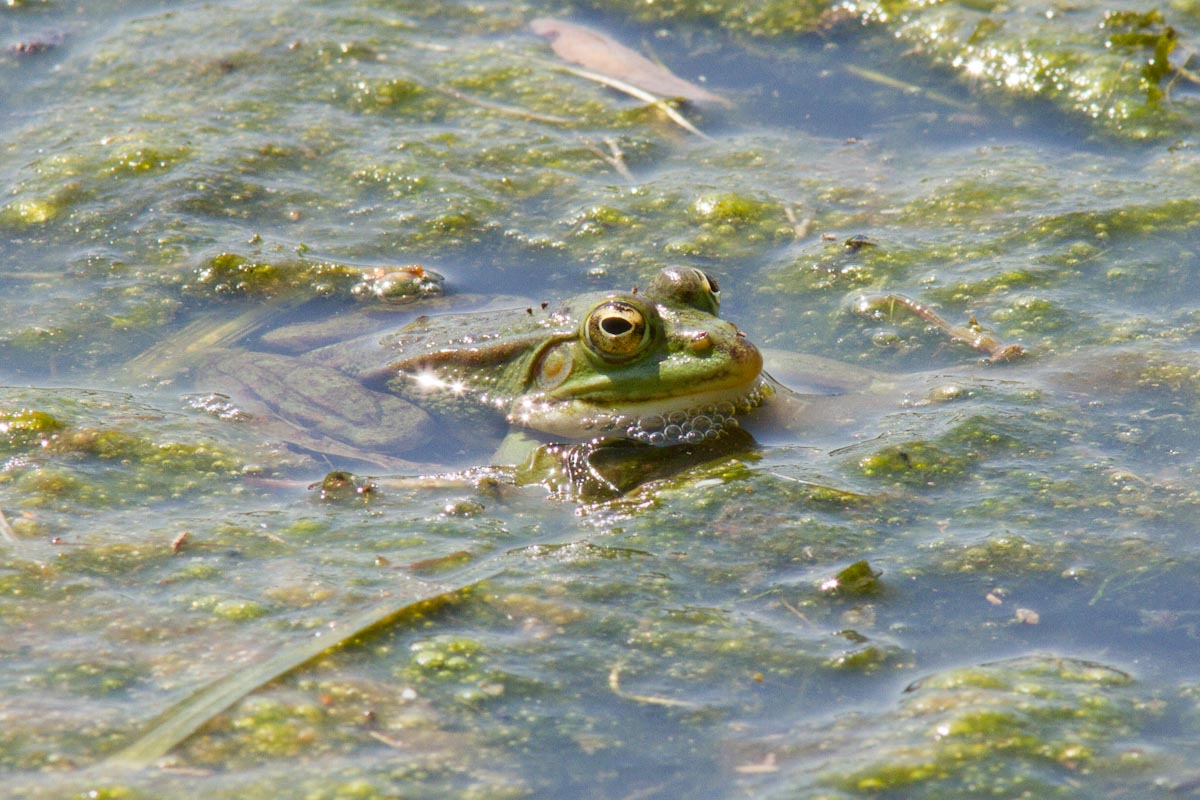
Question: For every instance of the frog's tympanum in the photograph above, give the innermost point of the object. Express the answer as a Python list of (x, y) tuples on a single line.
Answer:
[(656, 367)]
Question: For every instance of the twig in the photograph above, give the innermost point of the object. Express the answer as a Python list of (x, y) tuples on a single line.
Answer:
[(796, 611), (641, 94), (6, 530), (492, 105), (1188, 74), (1181, 71), (971, 333), (800, 227), (614, 683), (875, 76), (616, 160), (395, 744), (767, 765)]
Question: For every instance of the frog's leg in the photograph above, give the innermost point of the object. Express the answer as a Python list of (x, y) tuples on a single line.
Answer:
[(516, 448), (317, 408)]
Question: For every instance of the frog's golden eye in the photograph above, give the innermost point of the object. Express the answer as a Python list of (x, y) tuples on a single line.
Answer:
[(617, 330)]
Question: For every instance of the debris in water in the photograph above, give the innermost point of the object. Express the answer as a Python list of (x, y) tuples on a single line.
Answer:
[(598, 53)]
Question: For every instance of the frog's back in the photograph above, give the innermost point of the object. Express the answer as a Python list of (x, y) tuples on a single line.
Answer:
[(464, 333), (462, 344), (376, 355)]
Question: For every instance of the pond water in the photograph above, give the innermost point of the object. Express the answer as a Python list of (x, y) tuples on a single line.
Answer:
[(965, 579)]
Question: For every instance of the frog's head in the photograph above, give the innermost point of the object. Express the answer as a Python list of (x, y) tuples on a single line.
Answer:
[(660, 367)]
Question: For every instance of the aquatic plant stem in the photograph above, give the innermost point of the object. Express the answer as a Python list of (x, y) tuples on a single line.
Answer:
[(874, 76), (6, 530), (181, 721), (614, 685)]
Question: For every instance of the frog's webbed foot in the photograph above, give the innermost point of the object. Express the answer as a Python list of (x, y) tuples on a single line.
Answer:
[(609, 468)]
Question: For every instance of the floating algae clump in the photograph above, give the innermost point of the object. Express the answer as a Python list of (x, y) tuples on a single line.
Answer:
[(1099, 62), (1026, 726)]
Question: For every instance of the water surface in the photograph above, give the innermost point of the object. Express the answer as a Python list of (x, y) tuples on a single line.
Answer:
[(1032, 628)]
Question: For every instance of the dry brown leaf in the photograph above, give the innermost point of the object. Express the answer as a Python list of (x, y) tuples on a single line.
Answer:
[(601, 54)]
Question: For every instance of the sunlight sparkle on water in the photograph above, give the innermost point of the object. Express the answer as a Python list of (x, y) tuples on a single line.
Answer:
[(428, 381), (527, 410)]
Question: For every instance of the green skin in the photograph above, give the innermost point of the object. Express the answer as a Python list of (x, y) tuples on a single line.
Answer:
[(658, 367)]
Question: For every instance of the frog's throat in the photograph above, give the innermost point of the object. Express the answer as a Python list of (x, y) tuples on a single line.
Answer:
[(707, 416)]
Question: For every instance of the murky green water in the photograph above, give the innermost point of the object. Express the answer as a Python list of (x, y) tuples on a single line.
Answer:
[(1033, 627)]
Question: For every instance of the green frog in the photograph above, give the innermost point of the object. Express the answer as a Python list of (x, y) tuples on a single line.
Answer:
[(657, 367)]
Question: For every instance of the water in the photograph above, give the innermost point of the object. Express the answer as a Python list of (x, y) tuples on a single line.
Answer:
[(1033, 625)]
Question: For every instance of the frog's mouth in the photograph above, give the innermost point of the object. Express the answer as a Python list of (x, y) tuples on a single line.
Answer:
[(705, 417)]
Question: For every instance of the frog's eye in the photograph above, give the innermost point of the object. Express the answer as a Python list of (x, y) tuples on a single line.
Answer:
[(709, 293), (617, 330), (686, 286)]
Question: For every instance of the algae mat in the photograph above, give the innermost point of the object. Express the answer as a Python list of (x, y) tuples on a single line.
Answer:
[(964, 580)]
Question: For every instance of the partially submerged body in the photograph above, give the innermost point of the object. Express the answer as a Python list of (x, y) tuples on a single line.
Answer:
[(620, 378), (657, 368)]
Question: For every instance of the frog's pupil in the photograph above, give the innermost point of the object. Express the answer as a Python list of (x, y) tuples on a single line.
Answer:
[(616, 326)]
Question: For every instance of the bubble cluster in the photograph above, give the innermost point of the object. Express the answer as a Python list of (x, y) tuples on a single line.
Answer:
[(219, 405), (692, 425)]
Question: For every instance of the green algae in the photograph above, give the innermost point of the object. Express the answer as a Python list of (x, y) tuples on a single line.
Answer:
[(1106, 65), (234, 610), (78, 451), (295, 279), (146, 159), (856, 579), (148, 470), (1047, 718), (328, 143), (1102, 64), (531, 192), (970, 712), (26, 427), (95, 677), (915, 464), (440, 658), (1004, 555), (764, 18)]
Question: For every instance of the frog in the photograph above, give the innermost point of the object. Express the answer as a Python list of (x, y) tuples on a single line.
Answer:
[(657, 368)]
